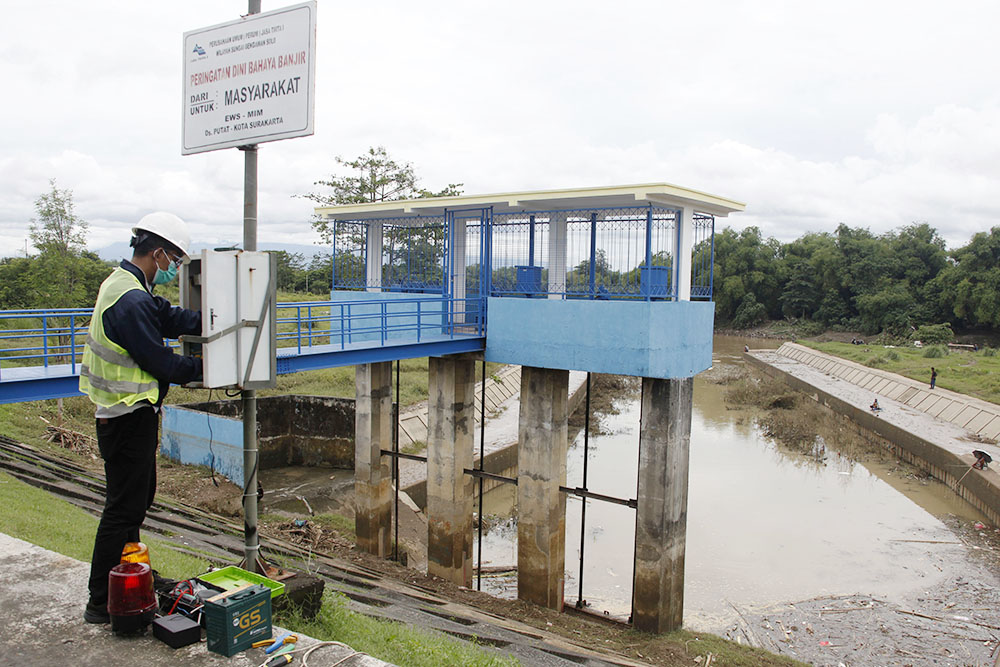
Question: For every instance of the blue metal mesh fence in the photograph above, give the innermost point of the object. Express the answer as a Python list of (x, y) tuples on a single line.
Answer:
[(412, 254), (350, 241), (609, 253), (625, 252), (702, 256)]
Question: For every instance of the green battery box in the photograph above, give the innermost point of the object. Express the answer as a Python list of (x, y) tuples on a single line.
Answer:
[(236, 619)]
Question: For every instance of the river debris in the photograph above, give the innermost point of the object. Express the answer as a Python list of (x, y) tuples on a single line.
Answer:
[(77, 442)]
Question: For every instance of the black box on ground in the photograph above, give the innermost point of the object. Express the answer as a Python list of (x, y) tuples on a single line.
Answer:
[(176, 630)]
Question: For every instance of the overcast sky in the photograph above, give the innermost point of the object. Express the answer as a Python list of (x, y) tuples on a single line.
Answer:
[(870, 113)]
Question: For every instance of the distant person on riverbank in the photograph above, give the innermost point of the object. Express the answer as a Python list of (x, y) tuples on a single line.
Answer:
[(874, 407), (933, 377)]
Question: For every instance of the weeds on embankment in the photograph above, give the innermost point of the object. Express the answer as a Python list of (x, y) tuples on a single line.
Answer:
[(796, 421), (974, 373)]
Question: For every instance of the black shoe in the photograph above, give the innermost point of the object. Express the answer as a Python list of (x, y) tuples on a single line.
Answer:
[(96, 614)]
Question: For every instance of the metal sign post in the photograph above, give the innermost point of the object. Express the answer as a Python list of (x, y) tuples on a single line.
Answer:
[(246, 82), (248, 397)]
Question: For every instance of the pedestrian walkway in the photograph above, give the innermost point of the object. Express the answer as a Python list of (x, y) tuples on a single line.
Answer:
[(980, 417), (42, 597)]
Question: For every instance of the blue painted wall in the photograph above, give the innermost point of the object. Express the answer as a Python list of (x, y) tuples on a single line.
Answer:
[(404, 315), (193, 437), (659, 339)]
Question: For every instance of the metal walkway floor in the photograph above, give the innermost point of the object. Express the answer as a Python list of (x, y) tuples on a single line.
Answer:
[(36, 383)]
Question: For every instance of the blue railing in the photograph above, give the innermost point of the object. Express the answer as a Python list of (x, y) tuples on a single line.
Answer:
[(345, 323), (49, 337)]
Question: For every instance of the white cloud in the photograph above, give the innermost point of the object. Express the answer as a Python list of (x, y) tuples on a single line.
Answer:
[(812, 114)]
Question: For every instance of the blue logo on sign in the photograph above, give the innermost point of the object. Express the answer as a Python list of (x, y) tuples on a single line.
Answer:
[(200, 51)]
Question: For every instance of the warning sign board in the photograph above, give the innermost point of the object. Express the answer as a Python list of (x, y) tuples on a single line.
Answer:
[(251, 80)]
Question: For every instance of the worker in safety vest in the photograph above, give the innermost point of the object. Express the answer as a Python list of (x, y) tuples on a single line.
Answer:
[(126, 371)]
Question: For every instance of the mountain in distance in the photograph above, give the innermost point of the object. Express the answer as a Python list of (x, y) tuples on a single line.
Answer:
[(121, 250)]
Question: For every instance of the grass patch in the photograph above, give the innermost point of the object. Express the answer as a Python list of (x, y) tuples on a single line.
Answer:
[(415, 447), (761, 392), (338, 522), (970, 373), (37, 516), (390, 641)]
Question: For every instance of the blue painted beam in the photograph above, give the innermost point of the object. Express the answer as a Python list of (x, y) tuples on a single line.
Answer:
[(60, 382), (39, 389), (353, 357)]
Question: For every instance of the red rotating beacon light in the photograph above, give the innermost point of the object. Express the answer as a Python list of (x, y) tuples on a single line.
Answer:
[(131, 600)]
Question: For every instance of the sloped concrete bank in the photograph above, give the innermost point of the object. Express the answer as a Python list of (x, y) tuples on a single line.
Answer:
[(940, 447), (501, 434)]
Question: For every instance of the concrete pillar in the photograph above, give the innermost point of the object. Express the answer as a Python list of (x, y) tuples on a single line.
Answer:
[(685, 244), (661, 515), (541, 507), (373, 267), (450, 429), (372, 477)]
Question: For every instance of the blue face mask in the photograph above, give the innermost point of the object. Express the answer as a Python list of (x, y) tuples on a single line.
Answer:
[(162, 276)]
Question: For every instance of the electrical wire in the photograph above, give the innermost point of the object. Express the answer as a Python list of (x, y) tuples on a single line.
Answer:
[(180, 594), (211, 438), (309, 650)]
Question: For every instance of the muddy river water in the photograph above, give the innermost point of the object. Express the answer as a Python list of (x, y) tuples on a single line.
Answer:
[(827, 559), (765, 525)]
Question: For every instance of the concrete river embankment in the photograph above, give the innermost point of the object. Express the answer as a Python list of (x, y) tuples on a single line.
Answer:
[(933, 429)]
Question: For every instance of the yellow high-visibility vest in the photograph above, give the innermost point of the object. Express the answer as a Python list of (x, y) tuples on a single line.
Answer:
[(108, 375)]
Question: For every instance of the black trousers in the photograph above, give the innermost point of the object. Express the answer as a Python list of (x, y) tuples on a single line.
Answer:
[(128, 447)]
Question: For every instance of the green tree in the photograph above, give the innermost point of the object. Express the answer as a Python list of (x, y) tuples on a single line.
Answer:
[(798, 296), (970, 287), (57, 229), (745, 263), (373, 176), (62, 275), (749, 313), (290, 266), (318, 274)]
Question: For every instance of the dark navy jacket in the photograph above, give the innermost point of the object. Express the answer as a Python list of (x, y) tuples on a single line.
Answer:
[(139, 321)]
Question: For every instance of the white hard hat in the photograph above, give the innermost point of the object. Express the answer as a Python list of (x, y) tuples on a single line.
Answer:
[(168, 227)]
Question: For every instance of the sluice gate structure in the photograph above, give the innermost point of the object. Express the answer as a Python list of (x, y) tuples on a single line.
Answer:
[(611, 280)]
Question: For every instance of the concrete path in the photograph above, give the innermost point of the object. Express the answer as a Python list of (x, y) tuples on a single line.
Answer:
[(980, 417), (42, 596), (859, 385)]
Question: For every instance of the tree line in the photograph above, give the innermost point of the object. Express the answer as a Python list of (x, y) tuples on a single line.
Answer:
[(853, 279), (849, 278)]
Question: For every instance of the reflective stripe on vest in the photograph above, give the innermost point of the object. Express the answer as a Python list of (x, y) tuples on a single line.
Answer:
[(108, 375)]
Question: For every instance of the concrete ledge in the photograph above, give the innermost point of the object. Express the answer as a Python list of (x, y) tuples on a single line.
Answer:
[(946, 461), (981, 417), (44, 621), (293, 430)]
